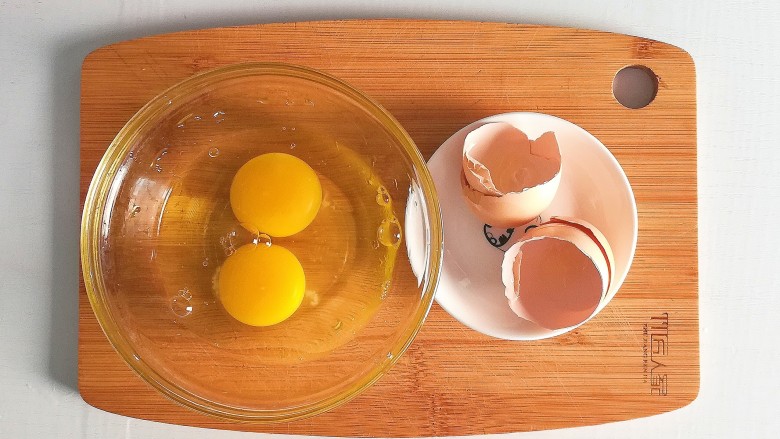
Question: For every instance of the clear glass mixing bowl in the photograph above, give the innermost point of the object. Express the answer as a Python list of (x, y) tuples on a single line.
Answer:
[(157, 225)]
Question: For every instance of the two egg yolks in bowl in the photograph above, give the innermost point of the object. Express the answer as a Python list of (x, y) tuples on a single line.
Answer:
[(263, 284)]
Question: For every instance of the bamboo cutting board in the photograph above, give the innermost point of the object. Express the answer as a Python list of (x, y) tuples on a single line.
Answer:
[(638, 357)]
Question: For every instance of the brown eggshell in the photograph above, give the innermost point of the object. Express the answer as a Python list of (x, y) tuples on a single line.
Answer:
[(596, 235), (557, 274), (508, 179)]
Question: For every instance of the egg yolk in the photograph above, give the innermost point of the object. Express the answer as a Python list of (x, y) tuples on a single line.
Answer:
[(278, 194), (261, 285)]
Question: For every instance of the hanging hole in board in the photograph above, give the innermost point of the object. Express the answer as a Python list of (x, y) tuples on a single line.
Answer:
[(635, 86)]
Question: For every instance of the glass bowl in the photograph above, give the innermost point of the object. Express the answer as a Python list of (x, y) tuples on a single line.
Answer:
[(157, 225)]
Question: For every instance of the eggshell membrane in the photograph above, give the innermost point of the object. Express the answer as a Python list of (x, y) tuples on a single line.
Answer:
[(508, 179), (597, 236), (556, 274)]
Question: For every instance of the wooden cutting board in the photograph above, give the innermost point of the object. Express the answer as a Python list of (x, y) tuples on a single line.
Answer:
[(638, 357)]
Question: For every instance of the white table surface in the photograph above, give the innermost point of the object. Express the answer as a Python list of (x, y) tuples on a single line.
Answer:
[(734, 44)]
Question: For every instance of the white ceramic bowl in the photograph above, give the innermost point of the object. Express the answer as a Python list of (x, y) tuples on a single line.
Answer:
[(593, 188)]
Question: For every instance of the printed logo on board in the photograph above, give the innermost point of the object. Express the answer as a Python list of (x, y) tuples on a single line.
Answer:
[(655, 350)]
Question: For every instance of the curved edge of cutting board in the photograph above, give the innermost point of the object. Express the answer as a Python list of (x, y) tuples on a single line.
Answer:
[(637, 358), (392, 22)]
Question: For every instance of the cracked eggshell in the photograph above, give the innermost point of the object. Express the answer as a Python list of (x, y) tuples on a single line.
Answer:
[(508, 179), (557, 274), (597, 237)]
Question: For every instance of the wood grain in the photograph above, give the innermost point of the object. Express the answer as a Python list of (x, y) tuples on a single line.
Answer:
[(436, 77)]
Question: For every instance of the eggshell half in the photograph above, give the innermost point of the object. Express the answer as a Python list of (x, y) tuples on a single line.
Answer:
[(597, 237), (508, 179), (557, 274)]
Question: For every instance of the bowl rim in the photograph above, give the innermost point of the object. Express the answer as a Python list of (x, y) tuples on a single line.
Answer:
[(110, 165)]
